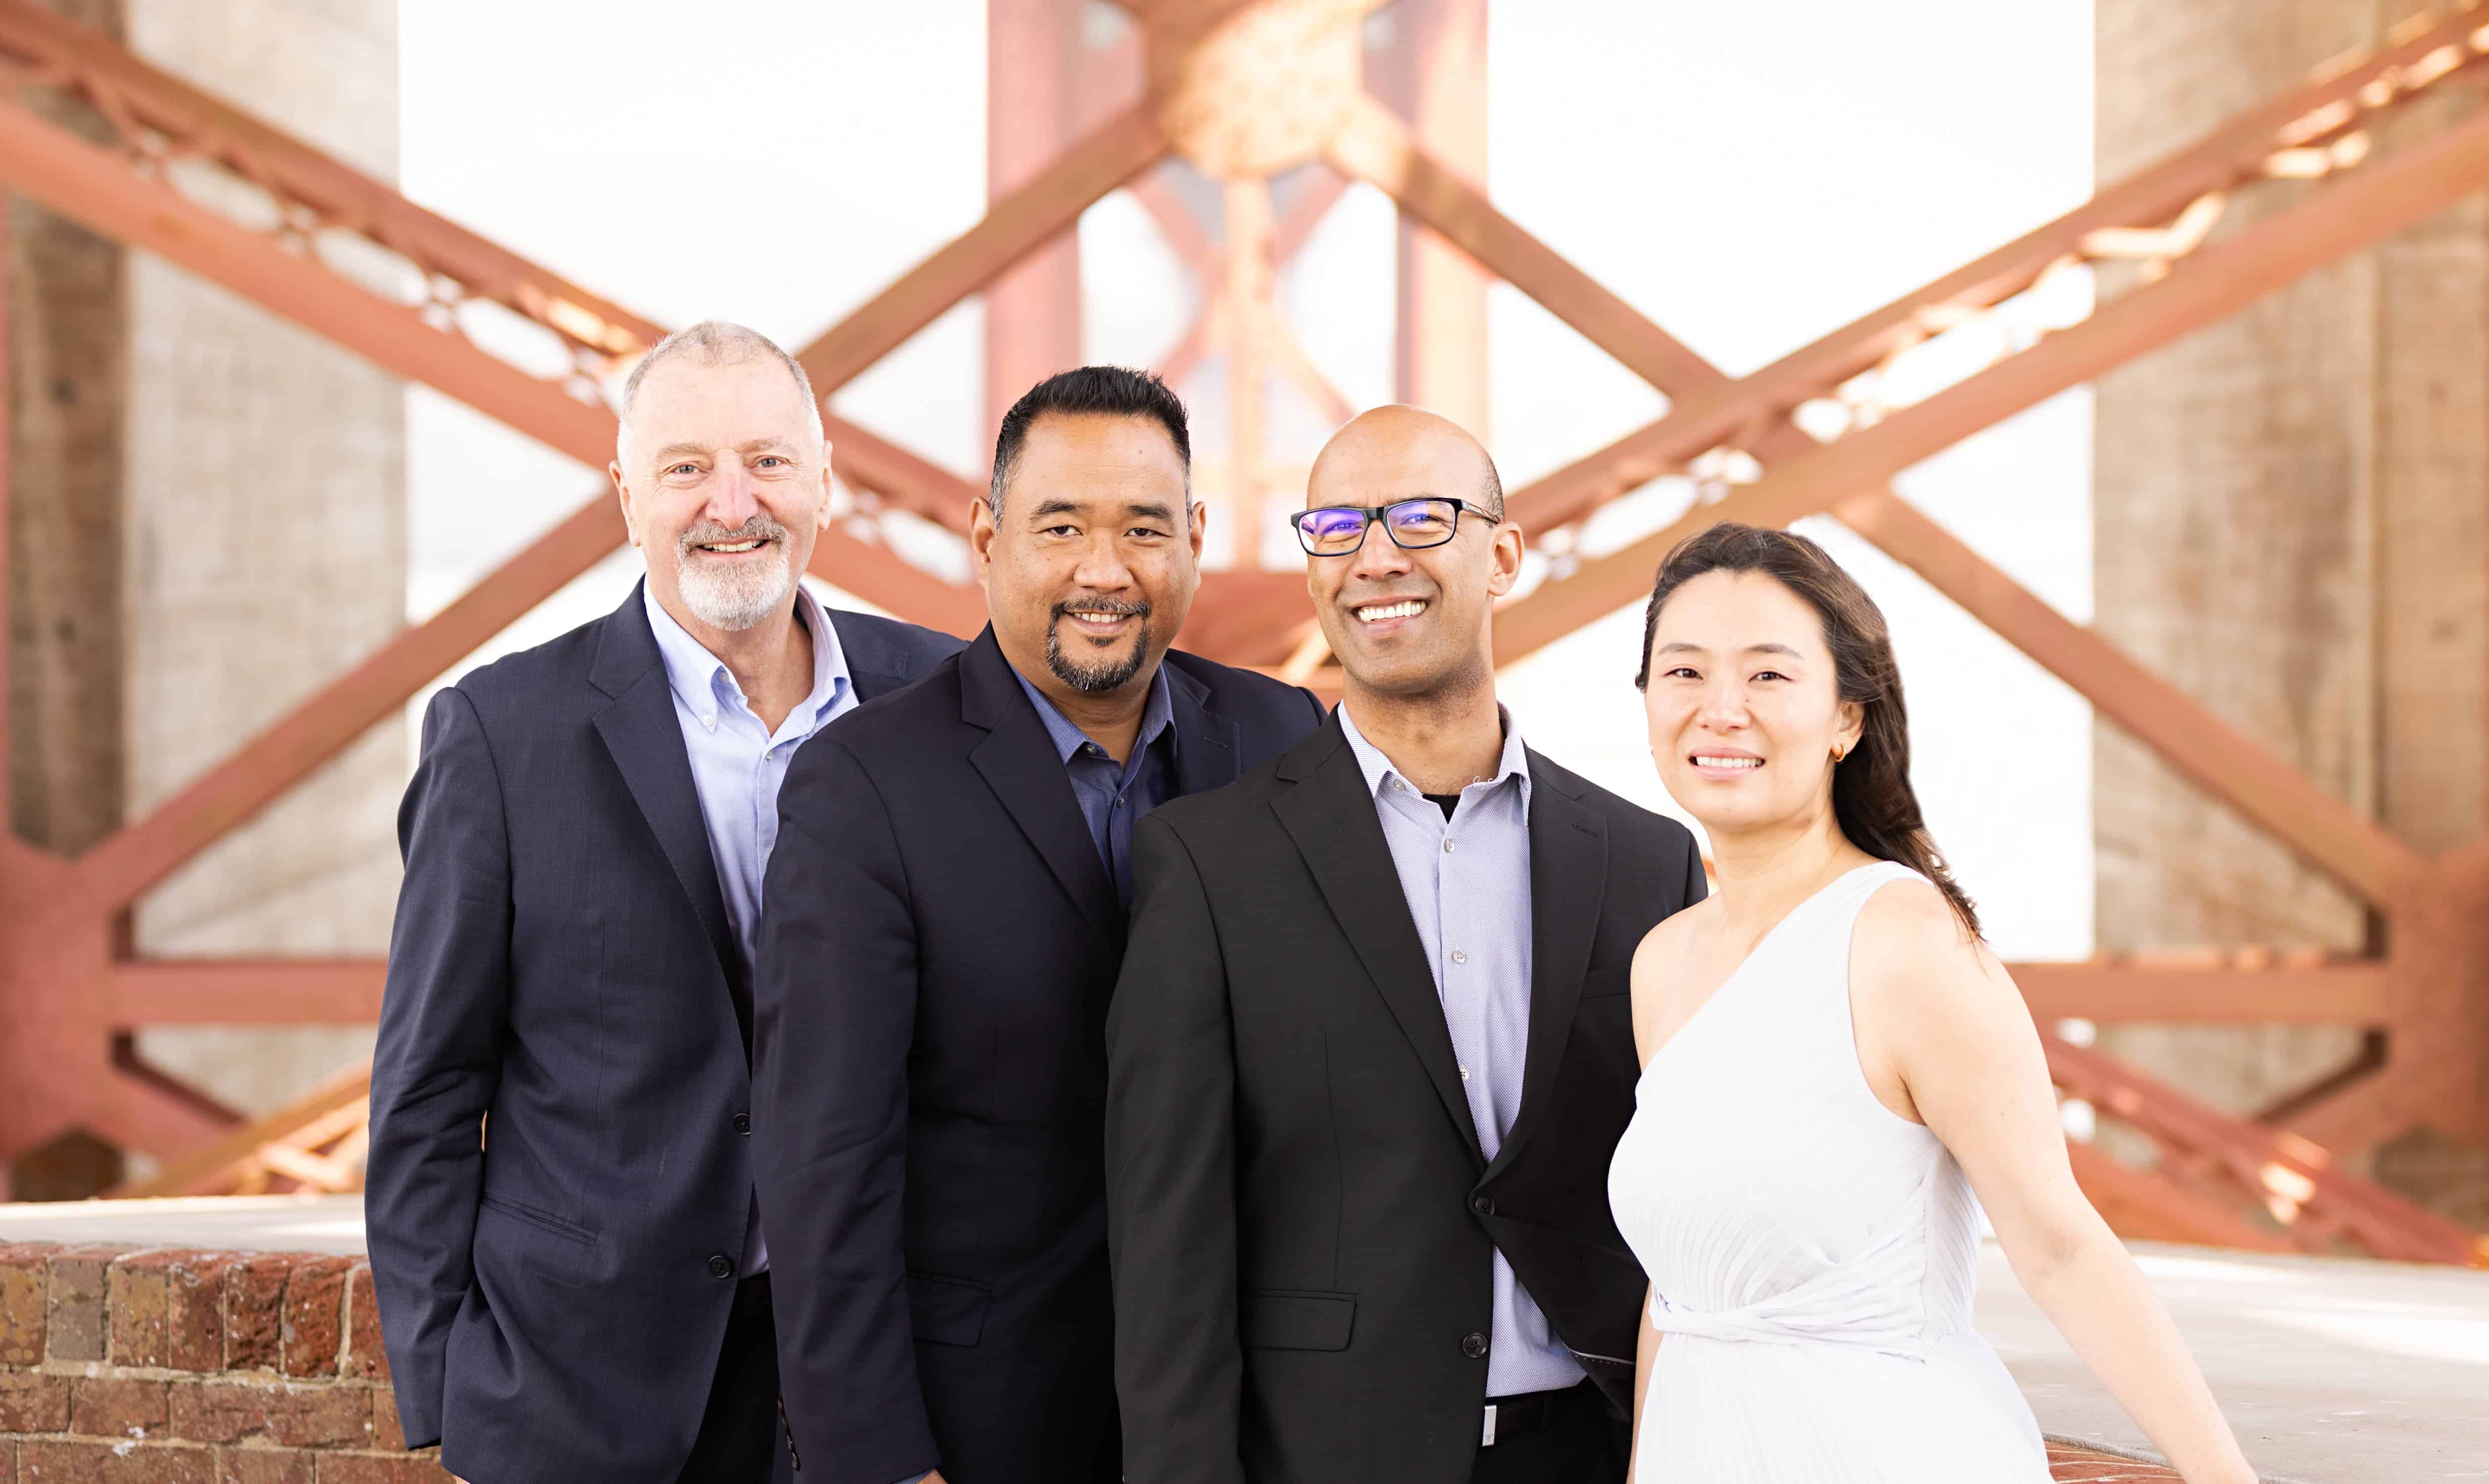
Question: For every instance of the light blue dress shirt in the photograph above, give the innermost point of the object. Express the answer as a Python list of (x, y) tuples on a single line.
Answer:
[(1467, 881), (1112, 797), (737, 764)]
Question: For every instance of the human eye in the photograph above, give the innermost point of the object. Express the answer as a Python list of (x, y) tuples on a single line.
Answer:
[(681, 468), (772, 461), (1769, 674), (1682, 671)]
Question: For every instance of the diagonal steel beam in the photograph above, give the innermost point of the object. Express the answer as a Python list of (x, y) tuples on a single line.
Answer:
[(2235, 150), (2212, 283), (2215, 281), (38, 39), (1374, 146), (2219, 758), (1106, 157)]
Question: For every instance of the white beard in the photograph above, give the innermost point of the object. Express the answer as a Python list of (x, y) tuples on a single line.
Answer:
[(733, 598)]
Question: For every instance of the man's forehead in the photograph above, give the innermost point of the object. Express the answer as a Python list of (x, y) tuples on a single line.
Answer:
[(681, 386), (1114, 438), (1431, 466), (718, 407)]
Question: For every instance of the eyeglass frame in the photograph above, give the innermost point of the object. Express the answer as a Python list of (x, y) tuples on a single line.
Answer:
[(1374, 515)]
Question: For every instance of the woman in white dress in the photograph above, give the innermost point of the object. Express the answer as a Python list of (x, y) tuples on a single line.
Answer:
[(1838, 1074)]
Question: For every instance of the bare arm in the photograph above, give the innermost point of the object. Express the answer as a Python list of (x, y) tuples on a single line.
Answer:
[(1648, 1016), (1645, 1356), (1943, 1032)]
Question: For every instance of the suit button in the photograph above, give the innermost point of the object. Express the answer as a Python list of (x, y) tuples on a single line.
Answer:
[(743, 1122), (721, 1267), (1473, 1345), (1482, 1206)]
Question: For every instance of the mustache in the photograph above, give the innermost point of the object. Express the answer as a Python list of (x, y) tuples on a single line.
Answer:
[(1120, 607), (760, 528)]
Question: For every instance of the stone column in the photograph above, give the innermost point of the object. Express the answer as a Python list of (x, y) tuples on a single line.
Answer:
[(2289, 508), (266, 549), (67, 366)]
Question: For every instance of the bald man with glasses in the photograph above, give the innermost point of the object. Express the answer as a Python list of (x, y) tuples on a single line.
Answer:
[(1372, 1046)]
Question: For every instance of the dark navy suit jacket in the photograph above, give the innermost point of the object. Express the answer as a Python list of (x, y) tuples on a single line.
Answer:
[(930, 1075), (562, 972)]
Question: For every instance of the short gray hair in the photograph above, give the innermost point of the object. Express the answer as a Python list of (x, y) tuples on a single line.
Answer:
[(714, 343)]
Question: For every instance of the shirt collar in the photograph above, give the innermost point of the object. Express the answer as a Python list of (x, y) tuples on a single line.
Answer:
[(1157, 717), (1379, 772), (694, 674)]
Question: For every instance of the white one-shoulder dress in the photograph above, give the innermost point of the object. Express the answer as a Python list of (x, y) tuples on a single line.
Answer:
[(1811, 1254)]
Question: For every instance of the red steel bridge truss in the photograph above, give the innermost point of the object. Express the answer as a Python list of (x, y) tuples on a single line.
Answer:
[(1240, 94)]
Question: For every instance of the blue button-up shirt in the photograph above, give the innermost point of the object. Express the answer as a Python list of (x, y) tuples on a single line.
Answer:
[(1111, 796), (1467, 881), (737, 764)]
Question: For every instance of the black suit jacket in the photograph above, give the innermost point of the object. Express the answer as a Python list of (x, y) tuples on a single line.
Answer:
[(1301, 1221), (930, 1075), (563, 962)]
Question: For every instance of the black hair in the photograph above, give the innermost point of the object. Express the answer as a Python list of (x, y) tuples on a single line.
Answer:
[(1117, 391)]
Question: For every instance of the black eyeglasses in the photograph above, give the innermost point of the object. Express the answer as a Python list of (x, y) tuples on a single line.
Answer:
[(1414, 525)]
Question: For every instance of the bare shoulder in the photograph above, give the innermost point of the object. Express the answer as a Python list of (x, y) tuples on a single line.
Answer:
[(1912, 952), (1674, 935)]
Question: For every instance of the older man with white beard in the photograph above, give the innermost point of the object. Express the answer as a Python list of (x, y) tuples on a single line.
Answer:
[(585, 1293)]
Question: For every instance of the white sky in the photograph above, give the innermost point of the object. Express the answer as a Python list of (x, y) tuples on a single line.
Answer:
[(1749, 176)]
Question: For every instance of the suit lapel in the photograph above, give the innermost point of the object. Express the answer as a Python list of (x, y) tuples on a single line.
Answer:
[(641, 731), (1018, 763), (1568, 881), (1330, 815), (872, 671), (1205, 742)]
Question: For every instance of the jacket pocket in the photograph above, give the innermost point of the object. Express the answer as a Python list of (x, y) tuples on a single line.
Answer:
[(1602, 981), (1280, 1320), (947, 1311), (544, 1219)]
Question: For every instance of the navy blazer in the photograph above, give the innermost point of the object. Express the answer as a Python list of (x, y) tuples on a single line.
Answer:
[(562, 972), (930, 1079)]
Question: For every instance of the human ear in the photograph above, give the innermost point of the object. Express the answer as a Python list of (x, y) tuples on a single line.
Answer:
[(622, 493), (981, 536), (1506, 555)]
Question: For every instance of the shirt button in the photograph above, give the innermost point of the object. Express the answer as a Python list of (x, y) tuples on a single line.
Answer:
[(1473, 1345), (721, 1266), (1465, 1074), (1447, 847), (1459, 957)]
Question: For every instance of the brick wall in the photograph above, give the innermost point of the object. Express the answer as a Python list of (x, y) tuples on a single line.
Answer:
[(174, 1366)]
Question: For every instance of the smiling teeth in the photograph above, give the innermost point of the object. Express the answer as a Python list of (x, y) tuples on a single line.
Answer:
[(1098, 617), (732, 546), (1702, 760), (1410, 609)]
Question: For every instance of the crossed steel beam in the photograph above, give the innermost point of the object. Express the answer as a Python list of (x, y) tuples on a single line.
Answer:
[(402, 285)]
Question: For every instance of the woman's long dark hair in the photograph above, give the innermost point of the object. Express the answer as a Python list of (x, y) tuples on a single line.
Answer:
[(1872, 799)]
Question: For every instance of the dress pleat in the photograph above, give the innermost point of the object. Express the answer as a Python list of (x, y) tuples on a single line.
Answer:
[(1811, 1254)]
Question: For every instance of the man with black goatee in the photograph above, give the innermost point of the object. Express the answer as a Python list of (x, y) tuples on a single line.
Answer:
[(945, 927)]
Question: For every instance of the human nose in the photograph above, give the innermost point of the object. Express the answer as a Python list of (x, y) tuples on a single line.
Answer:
[(1380, 557), (1723, 707), (1102, 567), (733, 496)]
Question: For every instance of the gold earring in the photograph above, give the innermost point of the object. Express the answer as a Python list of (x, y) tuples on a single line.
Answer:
[(1838, 754)]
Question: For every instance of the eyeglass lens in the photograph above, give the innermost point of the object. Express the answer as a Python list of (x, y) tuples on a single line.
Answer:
[(1412, 523)]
